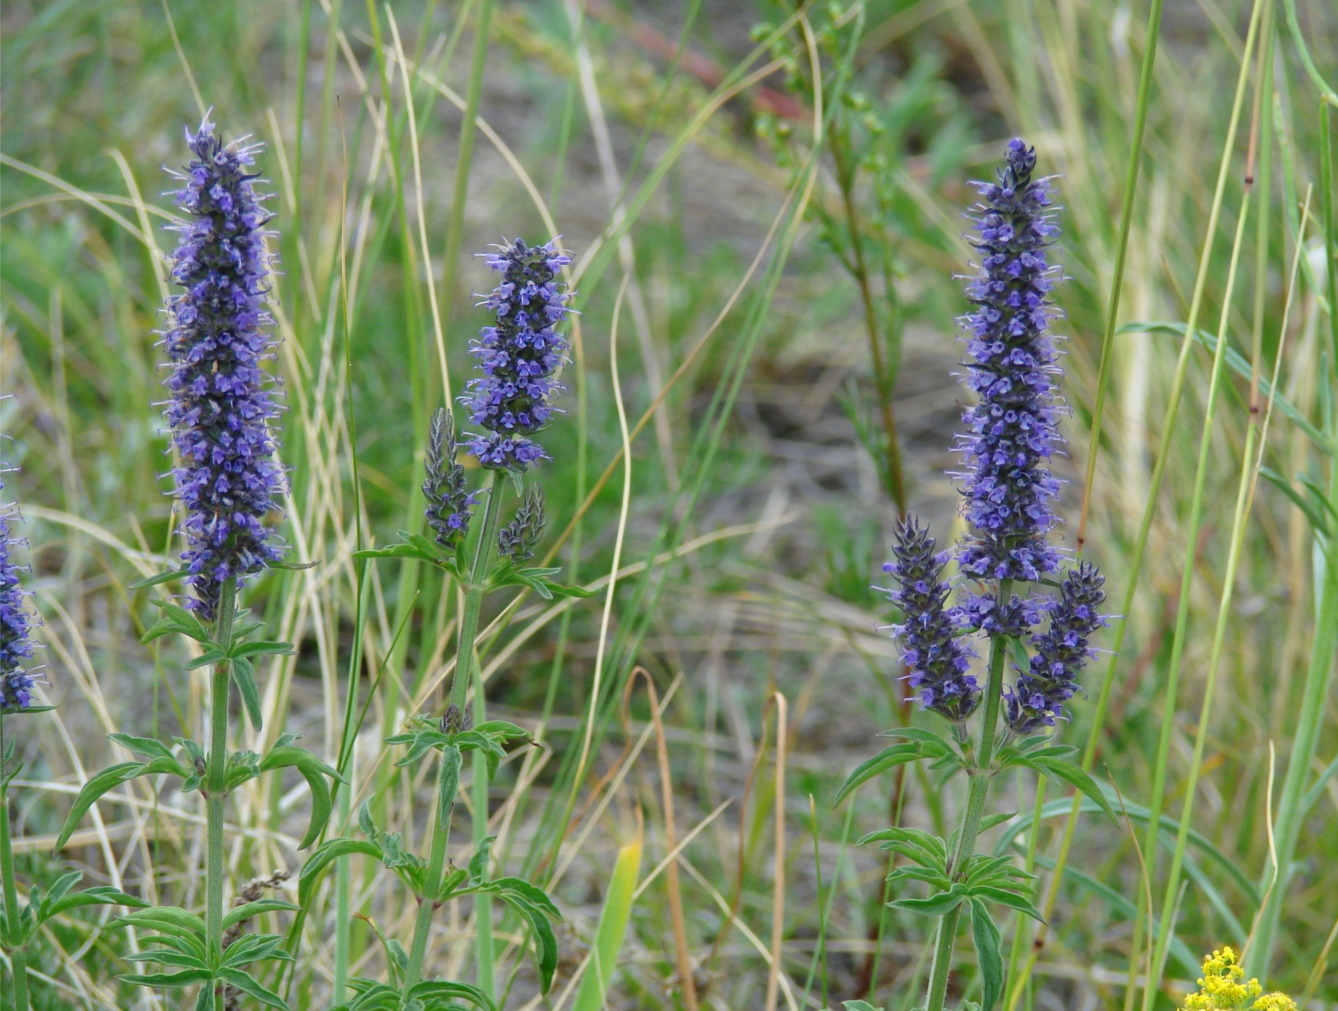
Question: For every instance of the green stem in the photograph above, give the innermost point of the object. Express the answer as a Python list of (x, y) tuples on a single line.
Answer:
[(18, 958), (216, 783), (440, 826), (975, 809)]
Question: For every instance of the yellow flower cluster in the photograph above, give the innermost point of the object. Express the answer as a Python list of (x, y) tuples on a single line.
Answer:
[(1223, 988)]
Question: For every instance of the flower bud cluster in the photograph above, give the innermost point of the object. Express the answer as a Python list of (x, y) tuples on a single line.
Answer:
[(16, 621), (449, 500), (517, 540)]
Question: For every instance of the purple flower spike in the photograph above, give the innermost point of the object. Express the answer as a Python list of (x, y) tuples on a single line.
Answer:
[(937, 659), (518, 356), (221, 407), (1011, 429), (1059, 653), (16, 621)]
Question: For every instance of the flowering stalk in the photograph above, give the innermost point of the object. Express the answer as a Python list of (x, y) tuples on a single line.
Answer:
[(228, 480), (16, 681), (511, 401), (1007, 491)]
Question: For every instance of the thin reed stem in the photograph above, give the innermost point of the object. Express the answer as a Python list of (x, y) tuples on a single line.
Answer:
[(18, 957), (440, 826), (975, 809), (216, 779)]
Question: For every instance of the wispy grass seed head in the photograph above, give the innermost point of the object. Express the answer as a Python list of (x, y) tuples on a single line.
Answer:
[(221, 409), (518, 356)]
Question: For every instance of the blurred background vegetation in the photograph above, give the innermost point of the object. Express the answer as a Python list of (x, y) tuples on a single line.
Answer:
[(766, 313)]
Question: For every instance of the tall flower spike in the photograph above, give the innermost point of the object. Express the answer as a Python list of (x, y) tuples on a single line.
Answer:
[(1011, 429), (518, 356), (16, 621), (1059, 653), (221, 409), (937, 659), (449, 501)]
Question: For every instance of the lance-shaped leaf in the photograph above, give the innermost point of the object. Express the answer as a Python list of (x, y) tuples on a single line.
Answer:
[(988, 944), (935, 905), (314, 772), (888, 758), (441, 990), (1060, 770), (323, 856), (249, 909), (247, 984), (107, 780)]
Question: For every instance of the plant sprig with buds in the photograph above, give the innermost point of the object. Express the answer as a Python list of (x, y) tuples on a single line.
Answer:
[(1008, 492), (518, 355)]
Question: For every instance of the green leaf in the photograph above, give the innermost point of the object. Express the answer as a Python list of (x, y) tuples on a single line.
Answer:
[(247, 985), (323, 856), (102, 895), (147, 746), (888, 758), (933, 742), (247, 910), (532, 894), (478, 863), (105, 781), (501, 728), (988, 943), (935, 905), (1061, 770), (170, 980), (449, 991), (859, 1005), (245, 675), (262, 647), (168, 919), (1008, 897), (159, 579), (314, 772), (209, 656), (448, 784)]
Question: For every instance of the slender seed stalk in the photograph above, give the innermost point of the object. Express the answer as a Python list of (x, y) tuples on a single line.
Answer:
[(440, 826), (18, 957), (216, 780), (975, 810)]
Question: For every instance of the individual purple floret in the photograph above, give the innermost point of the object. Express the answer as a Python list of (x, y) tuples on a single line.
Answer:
[(221, 408), (937, 659), (1059, 653), (1007, 483), (16, 621), (449, 501), (518, 356)]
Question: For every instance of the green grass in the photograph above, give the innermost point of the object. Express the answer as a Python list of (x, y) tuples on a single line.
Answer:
[(710, 481)]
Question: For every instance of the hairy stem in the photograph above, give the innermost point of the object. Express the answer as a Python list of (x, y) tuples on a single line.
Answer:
[(18, 958), (975, 810), (440, 827), (216, 782)]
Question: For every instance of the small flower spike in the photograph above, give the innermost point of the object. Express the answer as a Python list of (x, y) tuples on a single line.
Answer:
[(16, 621), (518, 356), (937, 659), (1007, 482), (1059, 653), (518, 539), (221, 408), (448, 500)]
